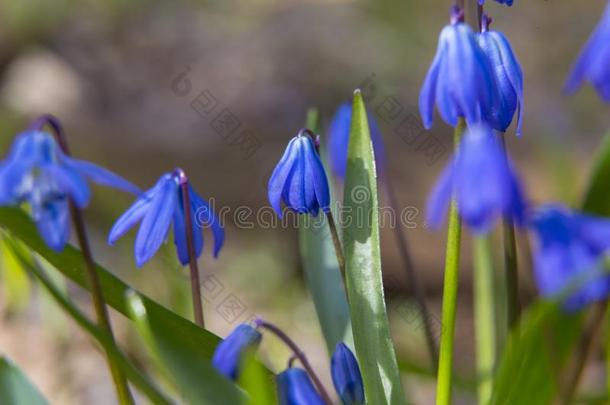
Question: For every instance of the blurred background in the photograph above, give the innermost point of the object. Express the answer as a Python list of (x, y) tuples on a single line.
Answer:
[(218, 88)]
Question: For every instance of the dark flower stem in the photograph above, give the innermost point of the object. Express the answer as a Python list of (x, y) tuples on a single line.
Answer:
[(298, 353), (194, 268), (583, 351), (97, 295), (415, 285)]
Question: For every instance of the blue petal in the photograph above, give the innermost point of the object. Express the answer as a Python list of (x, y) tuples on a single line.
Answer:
[(338, 139), (155, 224), (228, 354), (294, 191), (69, 182), (180, 230), (132, 216), (316, 176), (101, 175), (277, 182), (53, 224), (346, 376), (440, 197), (295, 388), (206, 217), (427, 95)]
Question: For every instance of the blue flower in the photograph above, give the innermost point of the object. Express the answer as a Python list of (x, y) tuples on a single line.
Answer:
[(483, 181), (507, 2), (460, 80), (569, 255), (509, 76), (299, 179), (593, 61), (157, 208), (295, 388), (346, 376), (338, 139), (228, 354), (37, 172)]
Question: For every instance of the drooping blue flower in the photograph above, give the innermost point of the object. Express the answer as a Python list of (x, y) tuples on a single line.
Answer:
[(37, 172), (483, 182), (461, 80), (507, 2), (295, 388), (593, 61), (156, 208), (569, 255), (346, 376), (508, 74), (228, 354), (338, 139), (299, 179)]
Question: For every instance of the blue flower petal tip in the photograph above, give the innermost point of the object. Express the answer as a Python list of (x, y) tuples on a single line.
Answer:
[(569, 255), (593, 61), (37, 172), (299, 179), (346, 376), (483, 182), (295, 388), (228, 354), (156, 209)]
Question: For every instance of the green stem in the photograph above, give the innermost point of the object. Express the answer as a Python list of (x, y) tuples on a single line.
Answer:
[(139, 380), (450, 289), (484, 317)]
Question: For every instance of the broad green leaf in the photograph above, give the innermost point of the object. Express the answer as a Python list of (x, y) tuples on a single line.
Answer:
[(15, 388), (194, 343), (535, 353), (322, 272), (596, 199), (256, 381), (190, 371), (15, 283), (370, 327)]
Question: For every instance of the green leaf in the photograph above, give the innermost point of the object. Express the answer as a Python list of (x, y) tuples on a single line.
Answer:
[(535, 353), (322, 272), (192, 344), (15, 388), (596, 199), (15, 283), (256, 381), (370, 327), (189, 370)]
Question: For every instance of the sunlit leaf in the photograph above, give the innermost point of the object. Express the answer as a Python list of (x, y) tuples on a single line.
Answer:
[(256, 381), (370, 327)]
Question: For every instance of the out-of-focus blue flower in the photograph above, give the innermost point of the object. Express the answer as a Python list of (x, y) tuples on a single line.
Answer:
[(461, 80), (156, 208), (569, 255), (509, 76), (507, 2), (295, 388), (338, 139), (228, 355), (483, 182), (593, 61), (37, 172), (299, 179), (346, 376)]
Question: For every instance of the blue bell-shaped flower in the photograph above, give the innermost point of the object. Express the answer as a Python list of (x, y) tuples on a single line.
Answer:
[(483, 182), (299, 179), (508, 74), (228, 354), (460, 81), (295, 388), (507, 2), (569, 255), (346, 376), (37, 172), (593, 61), (156, 209)]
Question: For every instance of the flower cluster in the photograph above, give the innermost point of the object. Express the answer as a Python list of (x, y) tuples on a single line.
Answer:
[(294, 384)]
